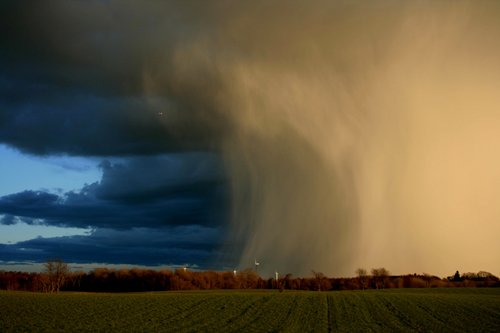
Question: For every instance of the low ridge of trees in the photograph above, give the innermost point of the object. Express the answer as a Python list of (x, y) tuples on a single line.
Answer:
[(57, 277)]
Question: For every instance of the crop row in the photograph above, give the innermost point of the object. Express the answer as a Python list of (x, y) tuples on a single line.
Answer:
[(253, 311)]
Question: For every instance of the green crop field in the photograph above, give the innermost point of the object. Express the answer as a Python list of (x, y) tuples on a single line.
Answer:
[(426, 310)]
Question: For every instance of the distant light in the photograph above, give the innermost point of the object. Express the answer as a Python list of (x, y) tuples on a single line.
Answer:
[(234, 272)]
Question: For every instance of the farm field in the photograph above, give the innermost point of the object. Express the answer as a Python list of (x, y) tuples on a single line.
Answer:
[(438, 310)]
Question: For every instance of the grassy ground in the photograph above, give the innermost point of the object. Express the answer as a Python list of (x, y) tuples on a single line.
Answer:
[(426, 310)]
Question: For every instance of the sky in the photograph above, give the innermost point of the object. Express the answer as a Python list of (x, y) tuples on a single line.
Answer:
[(323, 135)]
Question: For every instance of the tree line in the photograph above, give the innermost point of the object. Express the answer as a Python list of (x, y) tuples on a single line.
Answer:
[(57, 277)]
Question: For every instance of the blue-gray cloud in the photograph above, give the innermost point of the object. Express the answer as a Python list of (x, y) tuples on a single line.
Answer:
[(168, 209), (195, 245), (180, 189)]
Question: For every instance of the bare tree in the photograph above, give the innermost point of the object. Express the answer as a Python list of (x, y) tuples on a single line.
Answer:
[(57, 272), (362, 277), (380, 276), (321, 282)]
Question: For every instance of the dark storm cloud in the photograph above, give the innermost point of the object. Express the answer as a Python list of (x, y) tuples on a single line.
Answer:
[(178, 175), (73, 79), (106, 78), (93, 125), (139, 246), (351, 131), (8, 219), (178, 189)]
